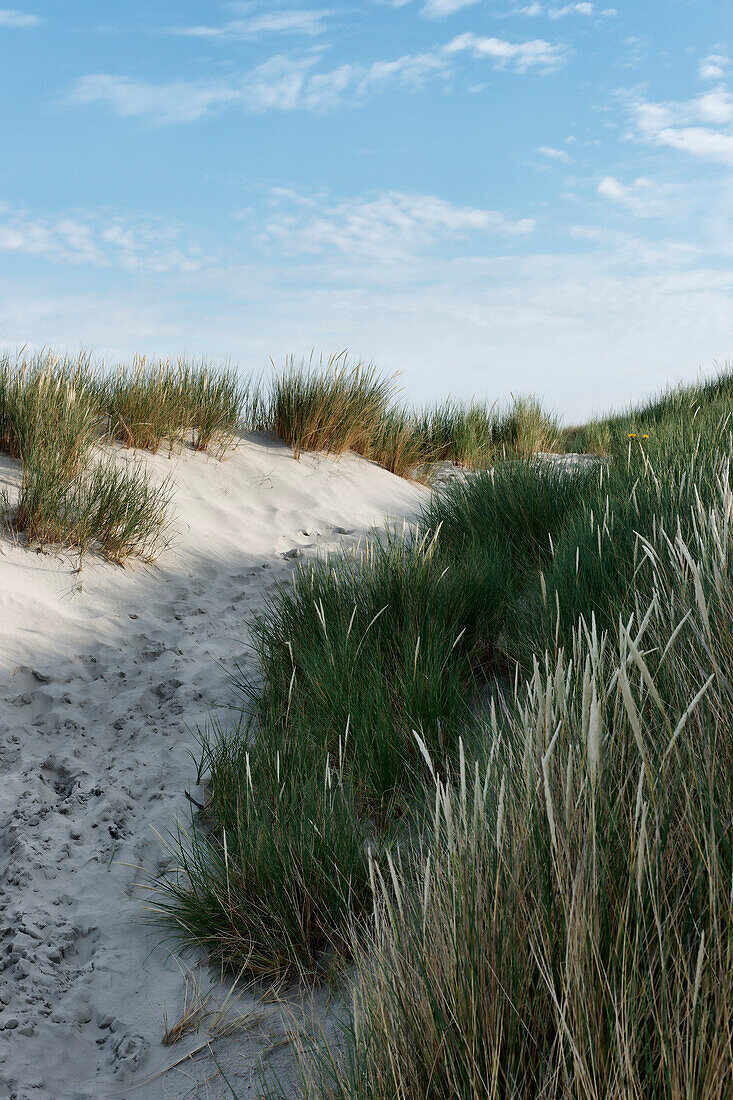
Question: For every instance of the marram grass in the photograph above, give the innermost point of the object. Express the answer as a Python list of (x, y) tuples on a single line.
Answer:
[(56, 411), (528, 869), (148, 404), (562, 926)]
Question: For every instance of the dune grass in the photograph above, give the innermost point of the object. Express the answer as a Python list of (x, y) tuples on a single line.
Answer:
[(379, 642), (148, 404), (55, 412), (272, 881), (49, 403), (476, 435), (667, 426), (563, 925), (116, 511), (331, 406), (397, 444), (527, 705), (334, 406)]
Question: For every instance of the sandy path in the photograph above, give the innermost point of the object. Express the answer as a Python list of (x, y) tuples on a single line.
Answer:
[(104, 674)]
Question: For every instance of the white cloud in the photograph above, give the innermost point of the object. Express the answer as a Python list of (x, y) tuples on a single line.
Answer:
[(699, 142), (288, 83), (570, 9), (386, 226), (411, 71), (280, 84), (678, 125), (643, 198), (520, 56), (554, 154), (581, 8), (17, 20), (713, 67), (116, 242), (436, 9), (180, 101), (291, 21)]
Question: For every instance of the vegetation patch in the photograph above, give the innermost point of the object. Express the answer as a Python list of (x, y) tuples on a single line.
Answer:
[(510, 734), (148, 404), (54, 414)]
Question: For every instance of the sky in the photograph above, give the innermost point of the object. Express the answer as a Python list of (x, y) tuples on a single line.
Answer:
[(490, 197)]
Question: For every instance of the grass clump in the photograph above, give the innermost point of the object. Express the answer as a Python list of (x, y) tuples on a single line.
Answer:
[(476, 435), (525, 429), (335, 407), (381, 642), (271, 883), (114, 510), (397, 444), (331, 407), (459, 433), (49, 405), (52, 416), (147, 404), (563, 927)]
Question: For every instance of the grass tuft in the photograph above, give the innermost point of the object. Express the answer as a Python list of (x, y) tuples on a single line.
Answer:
[(271, 881), (148, 404), (328, 406)]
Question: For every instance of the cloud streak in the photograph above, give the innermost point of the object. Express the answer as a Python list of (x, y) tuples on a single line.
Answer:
[(385, 226), (643, 198), (439, 9), (519, 56), (287, 83), (701, 127), (280, 84), (17, 20), (116, 242), (300, 21)]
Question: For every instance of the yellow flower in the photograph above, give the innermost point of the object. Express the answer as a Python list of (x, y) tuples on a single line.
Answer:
[(645, 437), (632, 435)]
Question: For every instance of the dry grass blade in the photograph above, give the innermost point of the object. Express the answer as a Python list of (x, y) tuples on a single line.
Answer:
[(194, 1012)]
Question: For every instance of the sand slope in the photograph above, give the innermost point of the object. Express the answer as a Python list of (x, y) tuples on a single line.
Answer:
[(104, 673)]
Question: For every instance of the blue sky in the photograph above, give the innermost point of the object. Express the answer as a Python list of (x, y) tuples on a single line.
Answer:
[(489, 196)]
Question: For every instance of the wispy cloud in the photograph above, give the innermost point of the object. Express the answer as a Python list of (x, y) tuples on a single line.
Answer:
[(535, 9), (700, 126), (554, 154), (714, 66), (300, 21), (520, 56), (438, 9), (570, 9), (281, 83), (17, 20), (178, 101), (287, 83), (643, 198), (383, 226), (88, 239)]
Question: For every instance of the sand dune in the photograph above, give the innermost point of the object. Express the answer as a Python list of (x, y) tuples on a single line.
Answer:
[(105, 674)]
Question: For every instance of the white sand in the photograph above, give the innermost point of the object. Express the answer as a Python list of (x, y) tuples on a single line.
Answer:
[(104, 676)]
